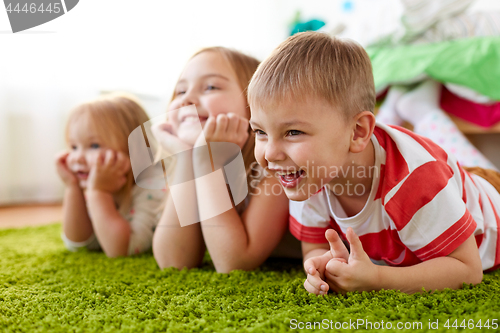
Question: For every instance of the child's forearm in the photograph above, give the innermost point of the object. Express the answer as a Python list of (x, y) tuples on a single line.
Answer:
[(438, 273), (111, 229), (461, 266), (76, 222), (176, 246), (246, 241), (178, 241), (225, 235), (227, 243)]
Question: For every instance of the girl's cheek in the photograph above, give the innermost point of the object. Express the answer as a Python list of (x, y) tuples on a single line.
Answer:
[(228, 103), (91, 156)]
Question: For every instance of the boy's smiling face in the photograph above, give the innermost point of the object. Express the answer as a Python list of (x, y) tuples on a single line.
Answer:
[(304, 143)]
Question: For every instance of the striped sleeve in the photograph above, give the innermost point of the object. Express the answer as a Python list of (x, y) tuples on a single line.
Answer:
[(310, 219), (429, 213)]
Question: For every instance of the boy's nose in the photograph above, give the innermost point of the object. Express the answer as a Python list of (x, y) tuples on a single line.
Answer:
[(274, 152)]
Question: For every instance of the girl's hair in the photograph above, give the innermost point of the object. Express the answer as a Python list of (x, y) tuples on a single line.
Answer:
[(243, 66), (113, 116)]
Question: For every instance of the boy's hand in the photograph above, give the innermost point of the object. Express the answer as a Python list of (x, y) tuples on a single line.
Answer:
[(358, 273), (67, 176), (167, 138), (316, 266), (108, 171), (226, 128)]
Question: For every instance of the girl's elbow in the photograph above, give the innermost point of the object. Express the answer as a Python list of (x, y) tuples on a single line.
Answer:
[(225, 268), (166, 258), (115, 253), (166, 262), (228, 266), (477, 277)]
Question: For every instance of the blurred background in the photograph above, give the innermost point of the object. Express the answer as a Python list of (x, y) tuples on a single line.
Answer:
[(141, 47)]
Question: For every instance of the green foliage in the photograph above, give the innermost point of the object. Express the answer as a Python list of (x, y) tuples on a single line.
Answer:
[(43, 287)]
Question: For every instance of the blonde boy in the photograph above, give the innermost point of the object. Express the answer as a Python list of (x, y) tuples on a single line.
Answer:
[(411, 216)]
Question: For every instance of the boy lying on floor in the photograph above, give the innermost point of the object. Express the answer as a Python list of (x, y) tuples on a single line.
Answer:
[(412, 217)]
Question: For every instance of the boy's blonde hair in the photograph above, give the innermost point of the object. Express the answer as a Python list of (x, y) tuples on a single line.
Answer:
[(243, 67), (114, 116), (313, 64)]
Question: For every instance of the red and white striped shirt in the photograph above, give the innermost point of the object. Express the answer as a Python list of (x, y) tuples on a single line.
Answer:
[(422, 205)]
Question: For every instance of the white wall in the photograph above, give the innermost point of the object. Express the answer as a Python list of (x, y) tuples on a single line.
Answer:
[(138, 46)]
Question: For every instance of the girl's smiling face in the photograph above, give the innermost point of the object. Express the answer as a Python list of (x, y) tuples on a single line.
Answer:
[(209, 83), (84, 144)]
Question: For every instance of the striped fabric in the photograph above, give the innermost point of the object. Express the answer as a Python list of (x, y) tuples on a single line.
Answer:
[(422, 205)]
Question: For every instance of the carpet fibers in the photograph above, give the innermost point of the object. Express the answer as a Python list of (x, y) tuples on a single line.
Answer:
[(43, 287)]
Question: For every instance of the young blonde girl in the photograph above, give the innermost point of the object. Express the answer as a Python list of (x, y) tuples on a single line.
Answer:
[(215, 80), (102, 208)]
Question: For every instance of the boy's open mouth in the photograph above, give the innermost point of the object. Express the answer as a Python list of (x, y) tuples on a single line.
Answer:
[(291, 179)]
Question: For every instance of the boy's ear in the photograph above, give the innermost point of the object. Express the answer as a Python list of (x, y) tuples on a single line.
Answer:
[(364, 124)]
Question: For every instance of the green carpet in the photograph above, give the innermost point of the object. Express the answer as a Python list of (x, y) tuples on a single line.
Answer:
[(43, 287)]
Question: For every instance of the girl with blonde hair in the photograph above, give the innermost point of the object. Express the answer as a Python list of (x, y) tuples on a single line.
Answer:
[(102, 207), (215, 81)]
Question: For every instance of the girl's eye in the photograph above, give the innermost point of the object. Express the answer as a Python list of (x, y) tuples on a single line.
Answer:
[(294, 132), (180, 92), (95, 146), (73, 147), (259, 132), (212, 87)]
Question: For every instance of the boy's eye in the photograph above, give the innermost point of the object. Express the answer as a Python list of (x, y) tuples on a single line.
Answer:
[(95, 146), (294, 132)]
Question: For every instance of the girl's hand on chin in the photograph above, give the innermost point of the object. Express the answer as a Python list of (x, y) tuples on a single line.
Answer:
[(167, 138), (67, 176), (108, 172), (226, 128)]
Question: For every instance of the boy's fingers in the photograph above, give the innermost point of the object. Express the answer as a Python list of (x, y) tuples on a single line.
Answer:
[(357, 251), (312, 289), (334, 267), (337, 247), (313, 264), (316, 281)]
